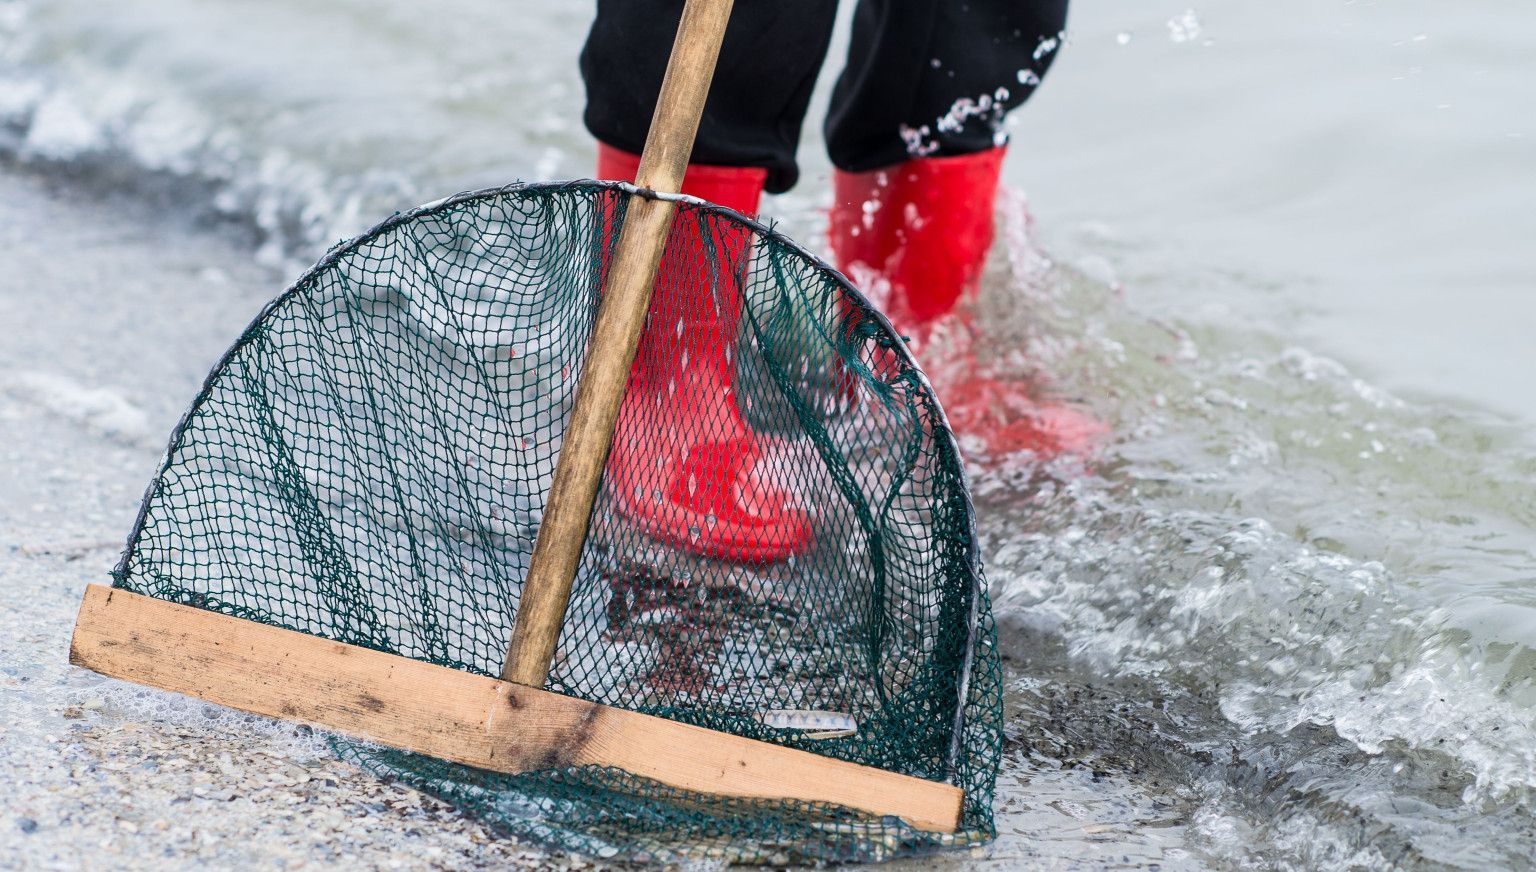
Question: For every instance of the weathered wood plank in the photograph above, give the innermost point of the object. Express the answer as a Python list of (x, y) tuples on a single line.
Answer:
[(459, 716)]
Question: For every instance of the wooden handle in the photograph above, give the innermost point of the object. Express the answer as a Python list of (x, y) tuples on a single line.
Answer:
[(620, 317)]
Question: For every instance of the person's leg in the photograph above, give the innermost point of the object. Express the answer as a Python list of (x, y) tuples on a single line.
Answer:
[(916, 133), (684, 464), (772, 52)]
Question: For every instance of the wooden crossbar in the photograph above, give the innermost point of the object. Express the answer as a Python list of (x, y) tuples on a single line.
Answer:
[(459, 716)]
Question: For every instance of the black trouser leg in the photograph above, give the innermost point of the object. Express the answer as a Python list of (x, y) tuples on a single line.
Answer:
[(890, 103), (772, 52), (936, 77)]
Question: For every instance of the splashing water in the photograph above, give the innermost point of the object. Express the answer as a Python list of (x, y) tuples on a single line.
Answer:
[(1184, 27), (1275, 590)]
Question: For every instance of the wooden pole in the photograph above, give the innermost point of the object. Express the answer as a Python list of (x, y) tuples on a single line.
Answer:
[(620, 318)]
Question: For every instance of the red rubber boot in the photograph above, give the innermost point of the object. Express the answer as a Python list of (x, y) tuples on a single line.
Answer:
[(924, 227), (685, 464)]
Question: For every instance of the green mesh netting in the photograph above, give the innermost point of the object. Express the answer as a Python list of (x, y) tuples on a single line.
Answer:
[(369, 462)]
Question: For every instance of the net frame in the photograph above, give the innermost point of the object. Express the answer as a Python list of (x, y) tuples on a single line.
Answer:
[(977, 685)]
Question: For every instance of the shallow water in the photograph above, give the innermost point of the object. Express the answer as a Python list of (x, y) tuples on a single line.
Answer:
[(1365, 165), (1288, 618)]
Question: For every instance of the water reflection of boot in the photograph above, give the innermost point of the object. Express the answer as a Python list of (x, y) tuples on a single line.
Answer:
[(685, 465), (921, 230)]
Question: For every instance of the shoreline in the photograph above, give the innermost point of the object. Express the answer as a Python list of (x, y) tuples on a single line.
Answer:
[(123, 308)]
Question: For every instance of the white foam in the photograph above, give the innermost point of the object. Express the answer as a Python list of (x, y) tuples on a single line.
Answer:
[(101, 409), (61, 130)]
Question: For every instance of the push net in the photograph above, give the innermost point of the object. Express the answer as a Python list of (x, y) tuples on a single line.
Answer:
[(783, 546)]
